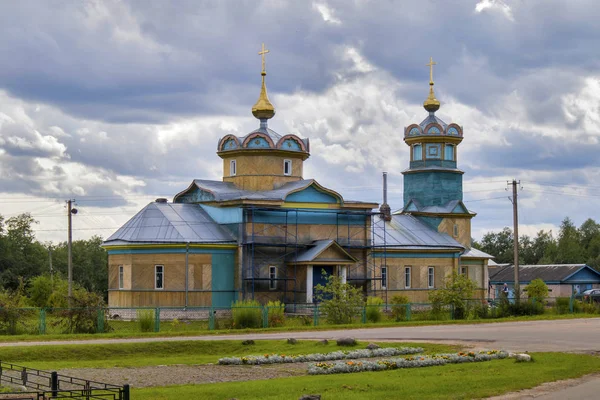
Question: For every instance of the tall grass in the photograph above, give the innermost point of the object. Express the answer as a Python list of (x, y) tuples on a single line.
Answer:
[(374, 313), (145, 320), (246, 314), (276, 313)]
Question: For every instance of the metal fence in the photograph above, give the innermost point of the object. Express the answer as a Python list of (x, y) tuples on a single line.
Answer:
[(35, 321), (41, 384)]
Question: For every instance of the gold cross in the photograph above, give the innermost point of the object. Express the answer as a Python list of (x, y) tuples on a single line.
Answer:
[(262, 53), (430, 65)]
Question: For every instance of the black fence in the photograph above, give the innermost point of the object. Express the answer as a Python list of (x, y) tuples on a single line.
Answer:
[(45, 385)]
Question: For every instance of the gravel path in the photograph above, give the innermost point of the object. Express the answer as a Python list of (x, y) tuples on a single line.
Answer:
[(163, 375)]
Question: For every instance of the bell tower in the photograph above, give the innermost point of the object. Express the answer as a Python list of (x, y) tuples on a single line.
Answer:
[(433, 183)]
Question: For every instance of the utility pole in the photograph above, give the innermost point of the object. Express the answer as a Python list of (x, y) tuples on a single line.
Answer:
[(514, 200), (70, 211), (50, 262)]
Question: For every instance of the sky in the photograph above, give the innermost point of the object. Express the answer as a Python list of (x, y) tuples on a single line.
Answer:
[(114, 103)]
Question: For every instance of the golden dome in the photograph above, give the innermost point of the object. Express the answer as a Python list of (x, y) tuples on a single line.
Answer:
[(431, 104), (263, 109)]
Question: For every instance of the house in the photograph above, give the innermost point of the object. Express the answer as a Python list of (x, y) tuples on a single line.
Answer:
[(563, 280), (265, 232)]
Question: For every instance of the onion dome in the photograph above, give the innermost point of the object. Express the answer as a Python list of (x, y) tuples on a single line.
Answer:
[(263, 109), (431, 104)]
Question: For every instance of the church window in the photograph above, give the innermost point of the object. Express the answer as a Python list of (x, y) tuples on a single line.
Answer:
[(449, 152), (463, 270), (159, 271), (417, 152), (121, 277), (430, 277), (407, 277), (272, 277), (232, 168), (455, 231), (383, 277), (287, 167)]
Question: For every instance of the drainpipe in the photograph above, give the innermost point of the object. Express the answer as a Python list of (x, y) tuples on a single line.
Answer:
[(187, 252)]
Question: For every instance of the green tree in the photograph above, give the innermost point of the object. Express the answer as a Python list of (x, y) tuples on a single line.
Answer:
[(499, 244), (341, 302), (537, 289), (569, 244), (456, 292)]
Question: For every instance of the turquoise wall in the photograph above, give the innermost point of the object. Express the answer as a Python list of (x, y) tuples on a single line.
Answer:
[(224, 215), (584, 275), (223, 290), (432, 188), (311, 195)]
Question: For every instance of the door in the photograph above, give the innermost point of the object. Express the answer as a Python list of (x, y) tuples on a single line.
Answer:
[(320, 276)]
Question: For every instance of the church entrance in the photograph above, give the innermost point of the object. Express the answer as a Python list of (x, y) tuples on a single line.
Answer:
[(320, 276)]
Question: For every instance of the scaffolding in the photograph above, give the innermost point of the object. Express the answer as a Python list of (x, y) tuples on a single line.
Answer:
[(274, 237)]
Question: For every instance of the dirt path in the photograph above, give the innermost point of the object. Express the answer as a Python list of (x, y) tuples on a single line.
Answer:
[(163, 375)]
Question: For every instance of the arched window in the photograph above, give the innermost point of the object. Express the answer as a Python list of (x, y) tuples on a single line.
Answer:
[(417, 152), (449, 152)]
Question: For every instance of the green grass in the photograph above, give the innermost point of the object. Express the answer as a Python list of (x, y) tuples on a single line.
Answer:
[(462, 381), (169, 353), (192, 329)]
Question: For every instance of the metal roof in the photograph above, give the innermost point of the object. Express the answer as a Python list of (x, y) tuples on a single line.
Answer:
[(431, 118), (170, 223), (475, 253), (407, 232), (318, 247), (547, 273)]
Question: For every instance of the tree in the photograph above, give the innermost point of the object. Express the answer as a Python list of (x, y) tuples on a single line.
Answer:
[(499, 244), (569, 244), (341, 302), (457, 290), (537, 289)]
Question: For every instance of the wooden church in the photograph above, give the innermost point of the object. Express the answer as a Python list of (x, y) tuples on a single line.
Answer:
[(265, 232)]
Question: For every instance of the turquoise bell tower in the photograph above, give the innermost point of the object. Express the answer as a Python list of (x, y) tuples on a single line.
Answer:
[(433, 183)]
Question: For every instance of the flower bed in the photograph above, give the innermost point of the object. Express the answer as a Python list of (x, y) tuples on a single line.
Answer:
[(316, 357), (322, 368)]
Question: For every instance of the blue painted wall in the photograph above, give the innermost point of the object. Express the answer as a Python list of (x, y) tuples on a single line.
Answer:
[(258, 143), (224, 215), (223, 290), (311, 195), (433, 222), (195, 196), (306, 216), (584, 275), (433, 188)]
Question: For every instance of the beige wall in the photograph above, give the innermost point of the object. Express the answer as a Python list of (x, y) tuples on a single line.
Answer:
[(260, 171), (464, 229)]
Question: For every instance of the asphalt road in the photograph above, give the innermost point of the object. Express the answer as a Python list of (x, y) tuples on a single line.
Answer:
[(573, 335)]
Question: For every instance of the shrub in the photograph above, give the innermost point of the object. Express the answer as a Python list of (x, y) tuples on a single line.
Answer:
[(276, 311), (246, 314), (457, 288), (373, 309), (523, 307), (146, 320), (84, 315), (481, 310), (538, 290), (563, 305), (399, 304), (341, 302)]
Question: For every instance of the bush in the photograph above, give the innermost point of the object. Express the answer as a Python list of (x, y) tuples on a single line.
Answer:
[(538, 290), (84, 315), (563, 305), (341, 302), (457, 288), (146, 320), (399, 304), (246, 314), (481, 310), (11, 312), (373, 309), (524, 307), (276, 311)]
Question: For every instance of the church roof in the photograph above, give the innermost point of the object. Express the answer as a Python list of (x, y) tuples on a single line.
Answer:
[(475, 253), (432, 119), (162, 222), (409, 233), (318, 247)]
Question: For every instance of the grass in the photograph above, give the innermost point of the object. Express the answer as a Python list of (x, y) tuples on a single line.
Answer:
[(462, 381), (192, 329), (169, 353)]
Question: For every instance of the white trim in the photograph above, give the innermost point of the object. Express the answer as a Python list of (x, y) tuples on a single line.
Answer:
[(232, 168), (273, 279), (409, 270), (289, 169), (430, 277), (121, 277), (384, 272), (343, 273), (309, 284), (162, 276)]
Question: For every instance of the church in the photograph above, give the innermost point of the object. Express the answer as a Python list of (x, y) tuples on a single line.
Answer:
[(266, 232)]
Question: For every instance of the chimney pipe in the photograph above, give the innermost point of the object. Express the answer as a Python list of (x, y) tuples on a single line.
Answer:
[(385, 209)]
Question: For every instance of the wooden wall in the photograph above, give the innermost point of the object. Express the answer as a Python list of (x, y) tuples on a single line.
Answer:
[(261, 171), (464, 229)]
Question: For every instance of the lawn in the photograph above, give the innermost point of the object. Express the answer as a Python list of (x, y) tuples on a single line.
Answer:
[(169, 353), (458, 381)]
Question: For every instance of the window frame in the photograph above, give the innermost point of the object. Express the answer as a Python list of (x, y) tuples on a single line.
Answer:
[(162, 276), (285, 163), (464, 270), (430, 277), (407, 274), (121, 277), (384, 277), (451, 147), (232, 168), (414, 152), (455, 230), (272, 277)]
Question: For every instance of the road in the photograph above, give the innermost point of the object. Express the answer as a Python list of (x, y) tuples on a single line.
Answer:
[(573, 335)]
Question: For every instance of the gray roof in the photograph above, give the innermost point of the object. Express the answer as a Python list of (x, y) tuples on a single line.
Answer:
[(431, 118), (170, 223), (548, 273), (445, 209), (316, 248), (267, 131), (475, 253), (408, 232)]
